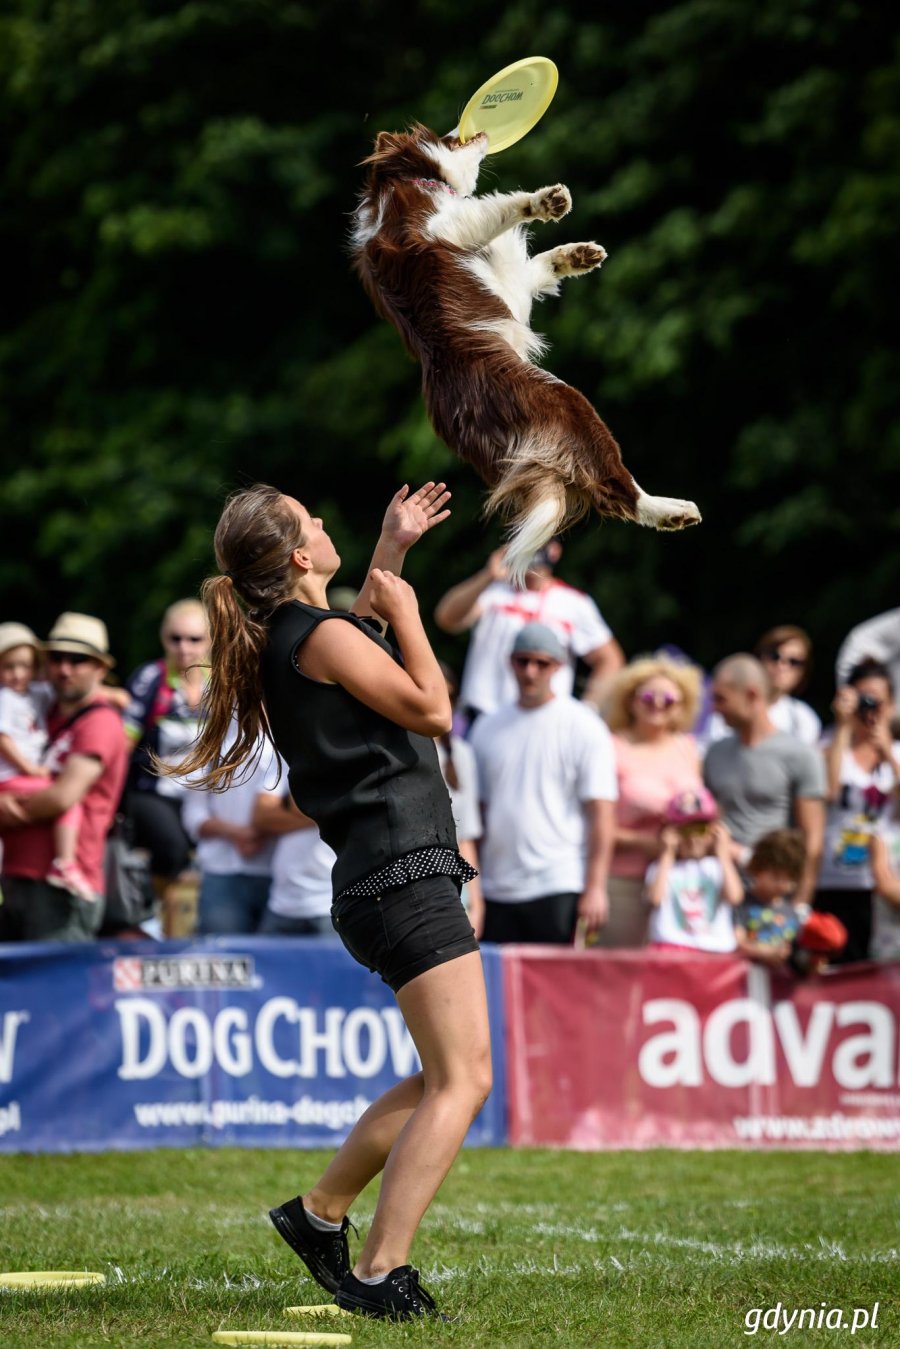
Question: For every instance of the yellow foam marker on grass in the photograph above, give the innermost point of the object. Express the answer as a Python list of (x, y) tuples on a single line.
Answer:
[(285, 1337), (511, 102), (317, 1309), (50, 1278)]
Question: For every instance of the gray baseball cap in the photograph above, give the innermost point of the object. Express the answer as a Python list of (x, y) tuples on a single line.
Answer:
[(537, 637)]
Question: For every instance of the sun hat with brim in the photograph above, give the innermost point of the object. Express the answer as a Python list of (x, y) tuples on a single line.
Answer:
[(80, 635), (16, 634), (696, 806), (537, 637)]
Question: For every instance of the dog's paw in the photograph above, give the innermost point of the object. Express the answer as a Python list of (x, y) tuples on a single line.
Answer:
[(574, 259), (549, 203), (667, 513)]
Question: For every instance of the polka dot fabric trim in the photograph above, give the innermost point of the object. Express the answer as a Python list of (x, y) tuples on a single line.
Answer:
[(415, 866)]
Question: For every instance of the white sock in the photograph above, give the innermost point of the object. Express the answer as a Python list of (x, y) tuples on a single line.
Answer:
[(319, 1223), (375, 1278)]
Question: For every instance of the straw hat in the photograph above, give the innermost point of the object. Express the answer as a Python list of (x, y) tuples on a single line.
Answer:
[(16, 634), (80, 635)]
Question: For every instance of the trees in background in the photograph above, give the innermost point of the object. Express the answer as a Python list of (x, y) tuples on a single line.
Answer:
[(181, 317)]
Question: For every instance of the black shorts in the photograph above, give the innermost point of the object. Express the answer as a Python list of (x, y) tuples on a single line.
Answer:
[(407, 931)]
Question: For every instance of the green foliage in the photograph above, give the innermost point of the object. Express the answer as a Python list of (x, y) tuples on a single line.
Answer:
[(182, 317)]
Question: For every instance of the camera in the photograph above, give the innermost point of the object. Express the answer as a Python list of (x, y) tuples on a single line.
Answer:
[(866, 705)]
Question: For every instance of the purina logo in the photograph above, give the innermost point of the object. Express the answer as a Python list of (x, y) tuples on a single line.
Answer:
[(163, 974), (502, 96)]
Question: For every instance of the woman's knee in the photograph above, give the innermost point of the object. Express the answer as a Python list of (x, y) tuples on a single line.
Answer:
[(470, 1081), (482, 1078)]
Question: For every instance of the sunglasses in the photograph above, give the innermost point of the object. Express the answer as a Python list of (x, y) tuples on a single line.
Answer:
[(176, 637), (775, 658), (659, 700), (523, 662), (696, 827), (67, 657)]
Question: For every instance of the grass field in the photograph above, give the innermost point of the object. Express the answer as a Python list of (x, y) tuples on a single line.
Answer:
[(529, 1248)]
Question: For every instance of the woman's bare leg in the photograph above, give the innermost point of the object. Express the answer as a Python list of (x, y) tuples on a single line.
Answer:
[(365, 1150), (445, 1010)]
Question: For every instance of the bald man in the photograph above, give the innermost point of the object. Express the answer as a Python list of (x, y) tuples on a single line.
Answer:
[(762, 778)]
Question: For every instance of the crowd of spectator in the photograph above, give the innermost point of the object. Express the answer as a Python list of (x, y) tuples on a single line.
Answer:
[(604, 803)]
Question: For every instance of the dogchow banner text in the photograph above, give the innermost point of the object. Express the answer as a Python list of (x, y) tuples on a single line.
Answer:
[(261, 1042)]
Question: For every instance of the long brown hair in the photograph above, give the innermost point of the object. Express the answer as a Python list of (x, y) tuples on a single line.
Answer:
[(255, 537)]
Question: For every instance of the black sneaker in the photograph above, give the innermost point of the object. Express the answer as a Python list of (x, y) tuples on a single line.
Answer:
[(399, 1297), (325, 1254)]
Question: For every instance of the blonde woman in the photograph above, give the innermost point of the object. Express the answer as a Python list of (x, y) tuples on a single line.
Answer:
[(649, 706)]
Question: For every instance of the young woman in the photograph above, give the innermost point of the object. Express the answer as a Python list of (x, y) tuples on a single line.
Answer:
[(786, 653), (862, 762), (356, 728)]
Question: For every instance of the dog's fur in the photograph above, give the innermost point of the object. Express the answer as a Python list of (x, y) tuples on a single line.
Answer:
[(452, 273)]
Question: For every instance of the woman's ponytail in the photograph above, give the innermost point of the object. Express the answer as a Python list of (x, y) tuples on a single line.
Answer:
[(255, 537)]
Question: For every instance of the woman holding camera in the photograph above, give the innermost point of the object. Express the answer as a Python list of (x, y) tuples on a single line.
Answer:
[(862, 763)]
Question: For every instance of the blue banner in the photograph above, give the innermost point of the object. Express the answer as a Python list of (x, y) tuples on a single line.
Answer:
[(248, 1041)]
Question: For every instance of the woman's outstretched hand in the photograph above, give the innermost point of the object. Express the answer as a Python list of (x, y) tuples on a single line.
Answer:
[(409, 517)]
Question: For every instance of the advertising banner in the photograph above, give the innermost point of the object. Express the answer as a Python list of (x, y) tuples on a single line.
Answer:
[(250, 1041), (644, 1049)]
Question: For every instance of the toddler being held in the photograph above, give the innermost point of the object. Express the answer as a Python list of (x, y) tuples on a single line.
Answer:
[(24, 704)]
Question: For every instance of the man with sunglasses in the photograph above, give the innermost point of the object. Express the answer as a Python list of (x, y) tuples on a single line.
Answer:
[(548, 784), (86, 756), (161, 721)]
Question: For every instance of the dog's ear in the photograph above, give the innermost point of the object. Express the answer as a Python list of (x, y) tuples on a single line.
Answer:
[(385, 142)]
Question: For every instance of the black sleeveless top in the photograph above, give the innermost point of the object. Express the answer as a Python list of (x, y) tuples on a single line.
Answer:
[(374, 789)]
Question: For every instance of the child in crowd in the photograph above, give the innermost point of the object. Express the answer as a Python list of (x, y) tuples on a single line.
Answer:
[(694, 885), (24, 703), (768, 920)]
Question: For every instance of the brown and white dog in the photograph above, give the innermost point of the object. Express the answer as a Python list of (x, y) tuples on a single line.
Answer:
[(452, 272)]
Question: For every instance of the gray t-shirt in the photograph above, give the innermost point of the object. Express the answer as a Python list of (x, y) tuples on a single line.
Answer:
[(756, 785)]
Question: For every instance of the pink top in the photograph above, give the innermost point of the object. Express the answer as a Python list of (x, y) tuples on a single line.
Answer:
[(98, 734), (649, 776)]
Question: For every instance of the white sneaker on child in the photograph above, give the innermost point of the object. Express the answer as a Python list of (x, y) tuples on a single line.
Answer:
[(68, 876)]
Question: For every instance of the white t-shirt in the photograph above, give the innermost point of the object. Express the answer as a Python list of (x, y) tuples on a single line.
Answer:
[(464, 799), (488, 681), (219, 856), (863, 804), (537, 768), (790, 715), (693, 912), (301, 875), (23, 717)]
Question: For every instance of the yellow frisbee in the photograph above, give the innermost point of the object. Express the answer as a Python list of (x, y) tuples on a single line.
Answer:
[(50, 1278), (285, 1337), (317, 1309), (511, 102)]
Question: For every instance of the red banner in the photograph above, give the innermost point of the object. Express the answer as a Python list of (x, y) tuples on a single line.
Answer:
[(655, 1048)]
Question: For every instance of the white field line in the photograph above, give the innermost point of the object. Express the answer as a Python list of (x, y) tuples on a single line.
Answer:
[(726, 1252)]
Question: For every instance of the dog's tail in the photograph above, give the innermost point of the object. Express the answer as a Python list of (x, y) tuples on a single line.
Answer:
[(534, 500)]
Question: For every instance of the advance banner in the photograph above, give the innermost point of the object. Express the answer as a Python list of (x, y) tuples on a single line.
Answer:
[(649, 1049), (249, 1041)]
